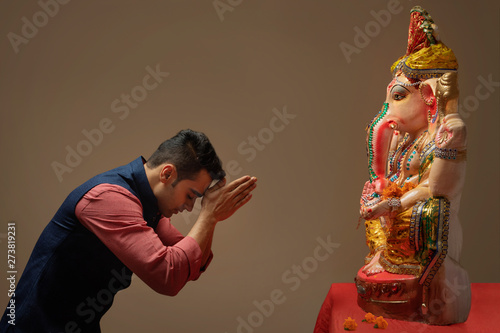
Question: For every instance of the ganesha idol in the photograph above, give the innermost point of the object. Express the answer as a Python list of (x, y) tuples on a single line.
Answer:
[(416, 148)]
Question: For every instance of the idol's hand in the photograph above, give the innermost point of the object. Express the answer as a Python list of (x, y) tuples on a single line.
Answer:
[(221, 200), (366, 194), (451, 133), (372, 212)]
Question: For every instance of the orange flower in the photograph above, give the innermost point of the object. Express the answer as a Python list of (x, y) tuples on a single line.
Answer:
[(369, 318), (350, 324), (381, 323)]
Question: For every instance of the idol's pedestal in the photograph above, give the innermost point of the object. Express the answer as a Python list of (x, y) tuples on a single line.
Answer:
[(446, 301), (390, 295), (341, 302)]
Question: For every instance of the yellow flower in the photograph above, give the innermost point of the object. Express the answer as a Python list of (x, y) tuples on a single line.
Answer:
[(381, 323), (369, 318), (350, 324)]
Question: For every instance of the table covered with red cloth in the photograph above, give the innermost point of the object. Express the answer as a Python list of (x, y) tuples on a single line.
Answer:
[(341, 302)]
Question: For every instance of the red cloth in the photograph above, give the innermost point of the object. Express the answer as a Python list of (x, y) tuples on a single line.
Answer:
[(341, 302)]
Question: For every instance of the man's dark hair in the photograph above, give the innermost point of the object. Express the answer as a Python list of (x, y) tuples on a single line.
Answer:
[(190, 152)]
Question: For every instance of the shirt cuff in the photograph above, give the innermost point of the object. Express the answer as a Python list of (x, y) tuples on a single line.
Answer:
[(209, 260), (194, 255)]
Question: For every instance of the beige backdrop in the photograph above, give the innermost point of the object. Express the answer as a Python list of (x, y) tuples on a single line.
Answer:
[(268, 82)]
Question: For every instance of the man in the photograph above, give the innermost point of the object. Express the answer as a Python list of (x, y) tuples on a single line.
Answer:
[(118, 223)]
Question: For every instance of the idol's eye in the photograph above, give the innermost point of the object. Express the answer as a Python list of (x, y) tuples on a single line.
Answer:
[(398, 97), (398, 93)]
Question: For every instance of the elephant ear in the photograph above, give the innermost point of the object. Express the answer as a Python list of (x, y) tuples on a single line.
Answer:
[(427, 90), (441, 96)]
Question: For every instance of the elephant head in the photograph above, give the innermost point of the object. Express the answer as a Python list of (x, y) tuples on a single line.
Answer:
[(412, 105), (410, 109)]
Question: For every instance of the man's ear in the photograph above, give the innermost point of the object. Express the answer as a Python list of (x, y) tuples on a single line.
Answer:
[(168, 174)]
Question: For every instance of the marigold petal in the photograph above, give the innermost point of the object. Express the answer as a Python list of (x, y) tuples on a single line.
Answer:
[(369, 318), (381, 323), (350, 324)]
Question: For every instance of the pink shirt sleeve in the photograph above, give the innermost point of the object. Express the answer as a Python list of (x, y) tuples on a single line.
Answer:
[(164, 259), (169, 235)]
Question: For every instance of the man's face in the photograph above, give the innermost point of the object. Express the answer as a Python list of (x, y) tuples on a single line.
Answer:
[(178, 196)]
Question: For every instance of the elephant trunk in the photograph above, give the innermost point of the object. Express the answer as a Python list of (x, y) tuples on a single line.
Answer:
[(378, 141)]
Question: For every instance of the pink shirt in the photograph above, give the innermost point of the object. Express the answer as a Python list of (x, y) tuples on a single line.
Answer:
[(163, 258)]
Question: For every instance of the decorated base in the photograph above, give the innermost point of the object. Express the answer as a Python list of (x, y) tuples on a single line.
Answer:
[(390, 295), (340, 303)]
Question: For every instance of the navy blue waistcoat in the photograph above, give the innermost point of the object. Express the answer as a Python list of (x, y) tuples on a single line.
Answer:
[(71, 277)]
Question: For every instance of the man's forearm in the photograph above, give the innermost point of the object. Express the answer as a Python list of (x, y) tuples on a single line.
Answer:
[(202, 232)]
